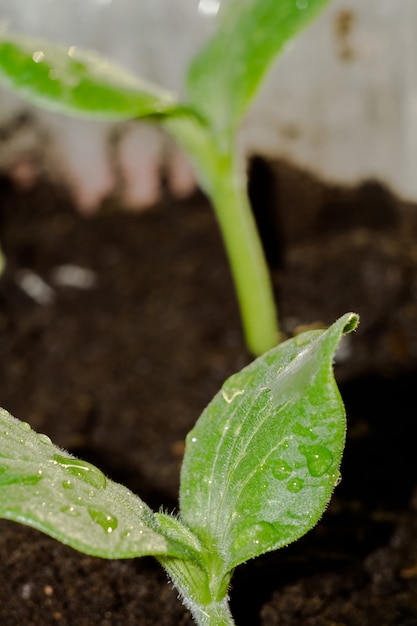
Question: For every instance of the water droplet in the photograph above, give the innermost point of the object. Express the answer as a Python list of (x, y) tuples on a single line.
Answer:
[(67, 484), (281, 469), (25, 426), (295, 485), (338, 479), (303, 431), (319, 460), (38, 56), (108, 522), (302, 4), (70, 510), (81, 469), (125, 534), (44, 439), (193, 439), (258, 536), (302, 338)]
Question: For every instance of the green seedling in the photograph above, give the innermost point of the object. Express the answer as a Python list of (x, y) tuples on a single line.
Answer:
[(260, 466), (221, 82)]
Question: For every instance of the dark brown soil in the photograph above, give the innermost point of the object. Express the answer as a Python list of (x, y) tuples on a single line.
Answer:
[(119, 372)]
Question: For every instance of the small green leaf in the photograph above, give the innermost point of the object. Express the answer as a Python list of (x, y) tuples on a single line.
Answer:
[(263, 459), (223, 79), (71, 500), (71, 80)]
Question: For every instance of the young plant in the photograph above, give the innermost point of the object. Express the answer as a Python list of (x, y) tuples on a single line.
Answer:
[(221, 83), (259, 468)]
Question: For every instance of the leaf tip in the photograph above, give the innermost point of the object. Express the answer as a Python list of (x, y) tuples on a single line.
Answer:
[(351, 321)]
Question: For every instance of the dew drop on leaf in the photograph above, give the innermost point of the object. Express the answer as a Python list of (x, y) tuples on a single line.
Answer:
[(108, 522), (319, 460), (70, 511), (295, 485), (81, 469), (126, 534), (67, 484), (38, 56), (301, 339), (338, 479), (281, 469), (25, 426), (303, 431), (261, 534), (44, 439)]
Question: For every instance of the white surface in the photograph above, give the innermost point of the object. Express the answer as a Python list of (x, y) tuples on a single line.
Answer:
[(341, 102), (345, 106)]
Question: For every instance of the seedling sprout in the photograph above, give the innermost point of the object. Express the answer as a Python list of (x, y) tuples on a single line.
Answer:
[(221, 82), (259, 468), (263, 459)]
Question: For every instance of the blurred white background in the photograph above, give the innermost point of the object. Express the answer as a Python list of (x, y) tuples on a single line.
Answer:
[(341, 101)]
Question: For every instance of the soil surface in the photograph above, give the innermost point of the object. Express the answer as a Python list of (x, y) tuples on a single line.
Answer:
[(116, 363)]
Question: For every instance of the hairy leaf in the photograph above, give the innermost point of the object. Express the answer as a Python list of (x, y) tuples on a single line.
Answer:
[(223, 79), (71, 80), (71, 500), (263, 459)]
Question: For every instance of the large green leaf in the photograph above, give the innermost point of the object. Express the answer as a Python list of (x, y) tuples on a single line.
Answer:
[(263, 459), (44, 487), (71, 80), (224, 77)]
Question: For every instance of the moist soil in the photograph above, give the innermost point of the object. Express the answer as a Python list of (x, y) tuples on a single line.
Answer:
[(117, 369)]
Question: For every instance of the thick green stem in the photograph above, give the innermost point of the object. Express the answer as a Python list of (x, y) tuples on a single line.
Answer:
[(216, 614), (225, 184), (203, 593), (246, 257)]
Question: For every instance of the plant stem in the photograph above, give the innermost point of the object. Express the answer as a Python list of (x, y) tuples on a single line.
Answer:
[(225, 183), (216, 614), (246, 257), (208, 606)]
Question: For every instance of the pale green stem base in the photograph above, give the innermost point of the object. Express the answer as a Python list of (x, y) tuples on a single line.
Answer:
[(205, 596), (216, 614)]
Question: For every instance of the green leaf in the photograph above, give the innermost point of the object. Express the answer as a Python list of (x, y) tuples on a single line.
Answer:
[(71, 500), (71, 80), (223, 79), (263, 459)]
